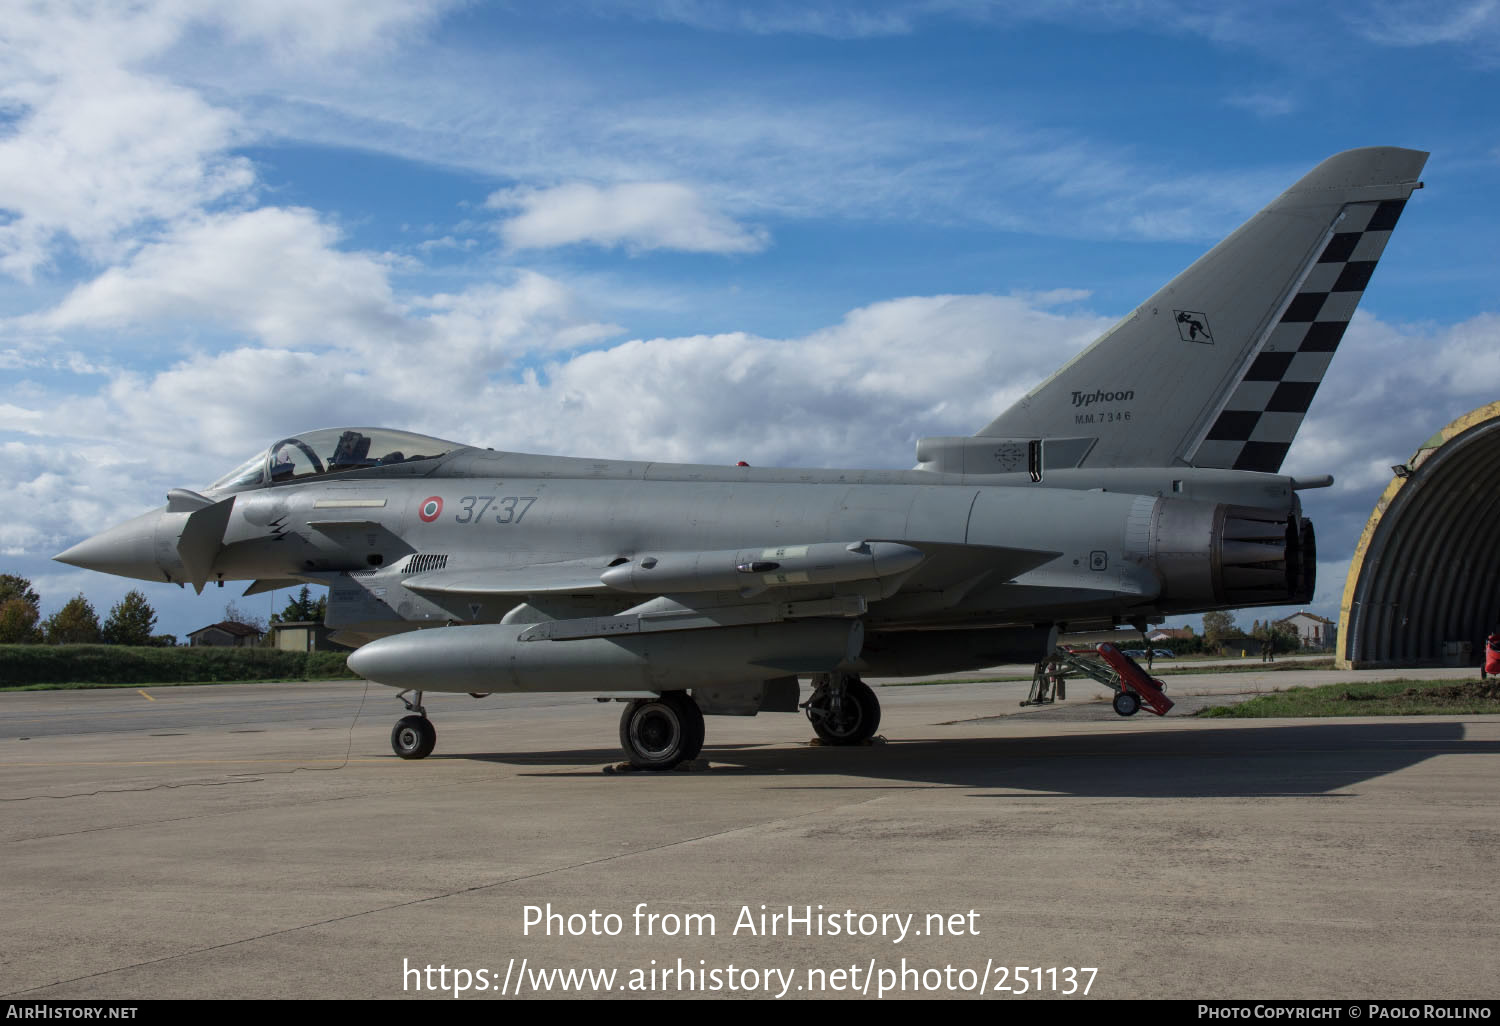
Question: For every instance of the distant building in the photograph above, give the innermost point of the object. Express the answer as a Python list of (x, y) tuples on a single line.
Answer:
[(226, 635), (1125, 638), (1314, 630), (1171, 634), (303, 636), (1239, 642)]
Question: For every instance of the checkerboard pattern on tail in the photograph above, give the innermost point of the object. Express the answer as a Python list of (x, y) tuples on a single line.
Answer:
[(1217, 369), (1261, 417)]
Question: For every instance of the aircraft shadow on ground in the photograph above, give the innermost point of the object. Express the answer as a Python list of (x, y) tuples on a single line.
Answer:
[(1302, 760)]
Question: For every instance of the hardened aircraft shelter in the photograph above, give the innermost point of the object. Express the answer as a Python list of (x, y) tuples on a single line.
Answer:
[(1424, 585)]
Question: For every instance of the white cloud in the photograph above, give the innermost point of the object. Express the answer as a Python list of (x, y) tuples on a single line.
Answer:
[(104, 152), (839, 20), (44, 503), (855, 394), (637, 216), (275, 275), (104, 155), (1240, 23), (19, 418), (1430, 22), (532, 314), (1390, 388), (312, 364), (272, 272), (775, 151), (1264, 104), (428, 246), (296, 29)]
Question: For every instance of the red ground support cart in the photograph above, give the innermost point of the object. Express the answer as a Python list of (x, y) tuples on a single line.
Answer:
[(1133, 686), (1136, 685)]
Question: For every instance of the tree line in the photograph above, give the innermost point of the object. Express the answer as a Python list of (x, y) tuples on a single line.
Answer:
[(1221, 633), (131, 621)]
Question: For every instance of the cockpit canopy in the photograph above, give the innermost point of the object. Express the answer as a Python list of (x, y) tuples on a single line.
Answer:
[(331, 451)]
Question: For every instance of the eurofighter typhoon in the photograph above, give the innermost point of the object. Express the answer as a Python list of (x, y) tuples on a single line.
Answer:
[(1141, 480)]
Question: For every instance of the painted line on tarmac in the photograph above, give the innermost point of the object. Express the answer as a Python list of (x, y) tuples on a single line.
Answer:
[(135, 710), (190, 762)]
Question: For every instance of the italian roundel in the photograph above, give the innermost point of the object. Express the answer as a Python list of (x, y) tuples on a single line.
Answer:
[(432, 508)]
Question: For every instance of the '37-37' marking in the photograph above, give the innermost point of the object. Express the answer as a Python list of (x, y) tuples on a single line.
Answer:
[(508, 509)]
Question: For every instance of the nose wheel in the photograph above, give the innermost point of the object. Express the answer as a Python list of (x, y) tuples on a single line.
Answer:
[(413, 737)]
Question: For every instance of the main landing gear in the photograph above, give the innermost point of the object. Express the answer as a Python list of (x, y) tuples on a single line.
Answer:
[(663, 732), (413, 737), (659, 733), (843, 710)]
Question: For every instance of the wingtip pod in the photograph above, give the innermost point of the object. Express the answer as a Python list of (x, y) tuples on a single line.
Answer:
[(1369, 167)]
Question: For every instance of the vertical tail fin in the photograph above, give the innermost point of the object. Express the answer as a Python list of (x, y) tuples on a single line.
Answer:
[(1218, 368)]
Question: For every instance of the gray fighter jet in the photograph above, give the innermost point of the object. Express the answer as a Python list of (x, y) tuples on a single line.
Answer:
[(1140, 480)]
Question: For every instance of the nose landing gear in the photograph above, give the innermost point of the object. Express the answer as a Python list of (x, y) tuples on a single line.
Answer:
[(413, 737)]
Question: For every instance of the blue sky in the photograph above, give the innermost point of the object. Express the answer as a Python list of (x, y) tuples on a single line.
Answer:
[(219, 227)]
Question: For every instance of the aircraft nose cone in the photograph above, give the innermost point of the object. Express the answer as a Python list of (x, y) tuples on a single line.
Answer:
[(126, 550)]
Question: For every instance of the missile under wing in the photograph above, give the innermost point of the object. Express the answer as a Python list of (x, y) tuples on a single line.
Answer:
[(1140, 480)]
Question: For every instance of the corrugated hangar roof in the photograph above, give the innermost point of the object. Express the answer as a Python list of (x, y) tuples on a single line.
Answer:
[(1426, 572)]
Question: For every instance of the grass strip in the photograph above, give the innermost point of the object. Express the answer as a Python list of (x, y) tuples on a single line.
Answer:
[(1160, 671), (84, 685), (1403, 697), (28, 666)]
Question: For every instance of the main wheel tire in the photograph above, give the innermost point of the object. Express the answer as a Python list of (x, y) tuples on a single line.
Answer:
[(413, 737), (858, 718), (1127, 703), (660, 733)]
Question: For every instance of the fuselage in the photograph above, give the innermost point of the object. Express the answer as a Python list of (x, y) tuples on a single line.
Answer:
[(1077, 546)]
